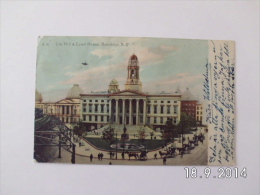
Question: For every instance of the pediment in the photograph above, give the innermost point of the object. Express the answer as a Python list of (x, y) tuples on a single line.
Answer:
[(128, 93)]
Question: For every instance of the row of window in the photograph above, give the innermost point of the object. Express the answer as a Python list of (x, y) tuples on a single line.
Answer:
[(199, 107), (155, 101), (155, 111), (189, 104), (95, 118), (199, 112), (190, 109), (96, 100)]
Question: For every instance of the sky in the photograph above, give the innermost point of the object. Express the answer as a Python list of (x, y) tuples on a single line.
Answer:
[(165, 64)]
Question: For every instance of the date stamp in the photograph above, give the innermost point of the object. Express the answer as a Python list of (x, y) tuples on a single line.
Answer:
[(222, 173)]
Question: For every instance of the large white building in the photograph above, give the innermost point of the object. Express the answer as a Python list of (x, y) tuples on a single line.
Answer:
[(130, 106), (67, 110)]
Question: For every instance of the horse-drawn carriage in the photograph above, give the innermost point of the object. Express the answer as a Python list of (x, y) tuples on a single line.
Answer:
[(170, 152), (141, 156)]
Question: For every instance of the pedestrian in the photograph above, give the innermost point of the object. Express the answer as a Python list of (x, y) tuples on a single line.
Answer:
[(101, 156), (123, 155), (155, 156), (164, 160), (182, 152), (91, 157), (110, 163)]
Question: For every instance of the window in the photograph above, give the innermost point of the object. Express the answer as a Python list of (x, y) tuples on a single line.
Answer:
[(155, 101), (149, 101), (95, 118), (141, 119), (107, 118), (201, 113), (174, 120), (175, 102), (161, 101), (102, 118), (96, 108), (168, 102), (96, 100), (197, 112), (90, 108), (161, 120), (102, 108), (90, 118), (84, 117), (102, 100), (84, 109), (107, 108), (168, 109), (154, 120), (148, 120), (175, 109), (84, 100), (90, 100), (162, 109), (155, 109), (149, 109)]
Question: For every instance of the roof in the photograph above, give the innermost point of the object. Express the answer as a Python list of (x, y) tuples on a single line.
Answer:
[(74, 92), (133, 57), (187, 96)]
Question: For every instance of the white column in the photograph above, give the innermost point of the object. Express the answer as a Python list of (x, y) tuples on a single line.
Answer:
[(130, 112), (116, 111), (65, 110), (123, 119), (137, 112), (144, 112), (110, 111)]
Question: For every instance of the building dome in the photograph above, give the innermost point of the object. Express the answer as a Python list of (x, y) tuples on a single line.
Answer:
[(113, 82), (38, 96), (187, 96), (133, 57), (74, 92)]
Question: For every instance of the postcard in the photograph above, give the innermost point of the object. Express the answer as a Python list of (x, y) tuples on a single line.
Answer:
[(134, 101)]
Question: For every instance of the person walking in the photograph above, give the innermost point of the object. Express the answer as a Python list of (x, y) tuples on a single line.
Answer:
[(155, 156), (91, 157), (164, 160)]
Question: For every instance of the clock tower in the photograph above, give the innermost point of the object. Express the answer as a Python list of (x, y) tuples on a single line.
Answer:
[(133, 82)]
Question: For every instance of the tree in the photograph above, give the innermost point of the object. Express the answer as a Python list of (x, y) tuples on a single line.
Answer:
[(109, 136), (187, 122), (141, 134), (170, 130), (79, 128)]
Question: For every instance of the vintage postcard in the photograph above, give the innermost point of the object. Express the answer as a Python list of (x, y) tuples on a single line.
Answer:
[(134, 101)]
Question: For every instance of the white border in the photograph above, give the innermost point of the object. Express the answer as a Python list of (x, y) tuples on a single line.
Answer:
[(21, 24)]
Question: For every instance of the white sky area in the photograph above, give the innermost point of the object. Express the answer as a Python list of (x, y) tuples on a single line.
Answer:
[(165, 64)]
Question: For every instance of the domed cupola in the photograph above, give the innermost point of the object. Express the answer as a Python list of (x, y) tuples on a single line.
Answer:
[(38, 96), (113, 86), (74, 92)]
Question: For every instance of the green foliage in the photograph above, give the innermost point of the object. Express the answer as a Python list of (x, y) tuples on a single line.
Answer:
[(79, 128), (109, 136), (141, 134), (170, 130)]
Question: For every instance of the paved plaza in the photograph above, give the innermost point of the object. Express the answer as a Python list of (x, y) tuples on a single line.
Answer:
[(197, 156)]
